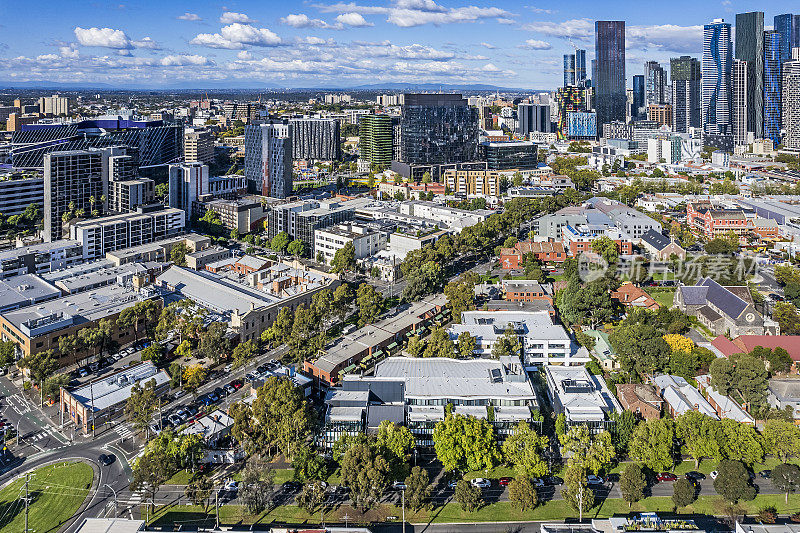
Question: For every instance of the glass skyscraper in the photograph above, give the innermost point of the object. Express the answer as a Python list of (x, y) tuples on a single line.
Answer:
[(638, 96), (717, 65), (750, 48), (569, 70), (437, 129), (655, 83), (772, 86), (580, 67), (609, 75), (788, 26), (686, 101)]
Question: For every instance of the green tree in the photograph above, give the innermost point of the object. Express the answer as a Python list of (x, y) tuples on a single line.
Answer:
[(641, 347), (311, 497), (632, 483), (592, 452), (439, 344), (416, 346), (149, 472), (741, 442), (522, 494), (41, 365), (683, 493), (466, 345), (342, 299), (624, 425), (308, 465), (370, 304), (733, 481), (7, 353), (507, 345), (524, 449), (465, 443), (468, 496), (257, 488), (279, 242), (461, 296), (244, 353), (198, 491), (787, 317), (576, 490), (154, 353), (786, 478), (652, 444), (418, 488), (296, 248), (606, 248), (214, 344), (700, 436), (178, 254), (366, 473), (781, 438), (344, 259), (743, 377), (141, 405)]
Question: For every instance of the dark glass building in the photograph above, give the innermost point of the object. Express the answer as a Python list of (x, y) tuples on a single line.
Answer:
[(772, 86), (609, 76), (638, 96), (655, 83), (788, 26), (686, 75), (569, 70), (508, 155), (750, 48), (580, 67), (533, 117), (717, 78), (437, 129)]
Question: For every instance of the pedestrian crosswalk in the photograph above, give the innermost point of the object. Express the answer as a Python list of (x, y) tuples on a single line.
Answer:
[(123, 430), (135, 498), (38, 436)]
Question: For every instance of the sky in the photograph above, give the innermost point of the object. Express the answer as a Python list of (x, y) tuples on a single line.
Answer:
[(330, 43)]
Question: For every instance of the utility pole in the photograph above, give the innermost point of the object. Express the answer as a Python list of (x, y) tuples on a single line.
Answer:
[(91, 392), (27, 478), (216, 505), (403, 492)]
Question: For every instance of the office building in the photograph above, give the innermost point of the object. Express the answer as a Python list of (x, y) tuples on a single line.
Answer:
[(18, 191), (107, 234), (198, 146), (686, 100), (122, 166), (508, 155), (40, 258), (568, 100), (582, 125), (187, 183), (655, 83), (791, 104), (660, 113), (74, 184), (609, 76), (580, 68), (124, 196), (788, 26), (533, 117), (750, 47), (742, 136), (638, 96), (473, 182), (569, 70), (366, 240), (772, 86), (244, 215), (717, 75), (54, 105), (268, 159), (315, 139), (376, 139), (301, 219), (437, 129)]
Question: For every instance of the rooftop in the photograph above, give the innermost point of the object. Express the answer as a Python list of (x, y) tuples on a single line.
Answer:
[(23, 290), (116, 388)]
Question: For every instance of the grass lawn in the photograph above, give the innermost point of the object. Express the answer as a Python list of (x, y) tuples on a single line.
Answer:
[(181, 477), (452, 512), (57, 491), (664, 296)]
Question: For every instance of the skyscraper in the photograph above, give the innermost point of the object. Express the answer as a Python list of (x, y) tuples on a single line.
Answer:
[(791, 104), (686, 101), (772, 86), (717, 64), (750, 48), (268, 159), (375, 140), (655, 82), (569, 70), (187, 183), (638, 96), (316, 139), (74, 184), (580, 67), (739, 115), (785, 25), (533, 117), (609, 78)]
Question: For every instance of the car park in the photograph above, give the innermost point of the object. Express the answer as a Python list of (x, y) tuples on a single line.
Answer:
[(481, 483)]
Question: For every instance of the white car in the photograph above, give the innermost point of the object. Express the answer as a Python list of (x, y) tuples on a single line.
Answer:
[(594, 480), (481, 483), (231, 485), (399, 485), (714, 474)]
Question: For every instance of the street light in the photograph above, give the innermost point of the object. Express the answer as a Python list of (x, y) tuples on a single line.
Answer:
[(116, 509)]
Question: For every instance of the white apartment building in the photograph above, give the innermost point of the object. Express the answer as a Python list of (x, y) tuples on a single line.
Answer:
[(108, 234), (366, 241), (454, 219), (543, 342)]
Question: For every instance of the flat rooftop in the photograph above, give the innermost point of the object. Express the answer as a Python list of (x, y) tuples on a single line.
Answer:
[(116, 388), (25, 289)]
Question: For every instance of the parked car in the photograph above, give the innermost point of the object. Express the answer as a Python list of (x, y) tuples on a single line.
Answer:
[(537, 482), (229, 389), (504, 481), (481, 483), (399, 485), (228, 368), (594, 480), (765, 474), (237, 384), (553, 480), (453, 482), (666, 476), (695, 476), (83, 372), (232, 485)]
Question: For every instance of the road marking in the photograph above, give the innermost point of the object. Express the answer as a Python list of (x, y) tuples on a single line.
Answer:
[(123, 430)]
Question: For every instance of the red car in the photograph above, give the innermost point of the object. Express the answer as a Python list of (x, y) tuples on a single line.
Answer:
[(666, 476), (504, 481), (236, 384)]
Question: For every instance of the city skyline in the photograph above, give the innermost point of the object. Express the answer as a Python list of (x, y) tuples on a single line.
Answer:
[(339, 44)]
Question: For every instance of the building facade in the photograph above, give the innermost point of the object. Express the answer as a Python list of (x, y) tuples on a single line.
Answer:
[(686, 101), (655, 83), (315, 139), (772, 86), (609, 76), (717, 75), (74, 182), (268, 159), (791, 104), (198, 146), (187, 183), (473, 182), (376, 139), (750, 48)]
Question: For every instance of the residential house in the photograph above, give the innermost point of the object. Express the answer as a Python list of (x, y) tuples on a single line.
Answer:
[(680, 397), (641, 399), (630, 295), (660, 247)]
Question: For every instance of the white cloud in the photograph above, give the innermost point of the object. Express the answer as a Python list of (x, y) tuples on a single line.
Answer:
[(69, 52), (355, 20), (535, 44), (489, 46), (410, 13), (351, 7), (666, 37), (579, 29), (230, 17), (541, 10), (244, 55), (301, 20), (236, 36), (147, 42), (194, 17), (488, 67), (184, 60), (505, 20), (103, 37)]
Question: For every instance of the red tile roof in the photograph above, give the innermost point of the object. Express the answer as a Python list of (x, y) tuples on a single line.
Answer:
[(746, 344)]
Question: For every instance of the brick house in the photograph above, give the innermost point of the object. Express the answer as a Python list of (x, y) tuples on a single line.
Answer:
[(548, 252), (640, 399)]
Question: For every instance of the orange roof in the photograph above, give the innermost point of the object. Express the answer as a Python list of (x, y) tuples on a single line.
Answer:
[(630, 294), (746, 344)]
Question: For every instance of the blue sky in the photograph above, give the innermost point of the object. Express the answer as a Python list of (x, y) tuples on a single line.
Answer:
[(327, 43)]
